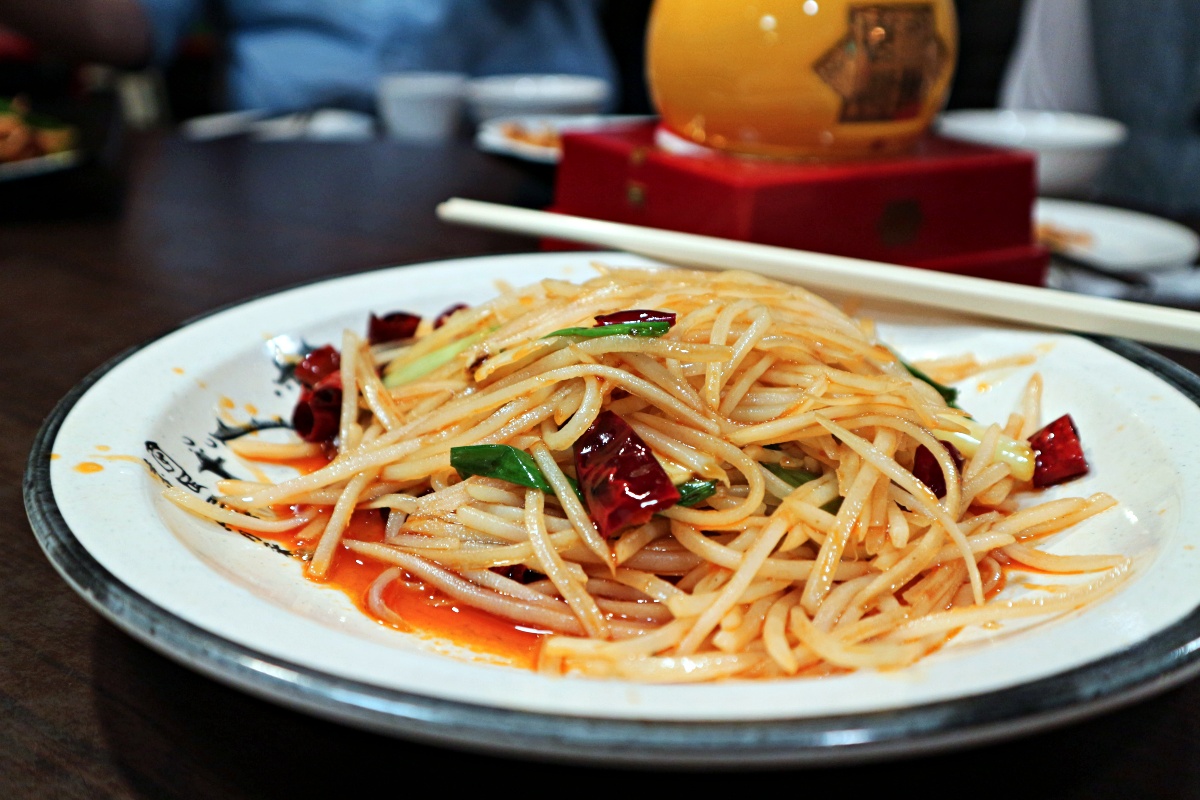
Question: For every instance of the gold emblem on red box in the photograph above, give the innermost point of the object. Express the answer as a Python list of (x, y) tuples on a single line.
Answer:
[(887, 64)]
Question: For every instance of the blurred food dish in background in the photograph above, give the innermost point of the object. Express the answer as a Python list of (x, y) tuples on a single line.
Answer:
[(1117, 252), (539, 137), (34, 141), (1115, 238)]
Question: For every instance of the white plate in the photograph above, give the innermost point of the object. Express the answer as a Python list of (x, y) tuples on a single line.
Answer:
[(494, 136), (39, 165), (242, 613), (1118, 239), (1071, 149)]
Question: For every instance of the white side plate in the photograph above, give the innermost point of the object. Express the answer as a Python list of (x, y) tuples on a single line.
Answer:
[(1118, 239)]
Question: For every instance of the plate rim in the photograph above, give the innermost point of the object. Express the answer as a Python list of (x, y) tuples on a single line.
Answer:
[(1144, 669), (40, 165)]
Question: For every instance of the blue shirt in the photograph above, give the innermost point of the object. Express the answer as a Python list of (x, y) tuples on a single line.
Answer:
[(287, 55), (1148, 69)]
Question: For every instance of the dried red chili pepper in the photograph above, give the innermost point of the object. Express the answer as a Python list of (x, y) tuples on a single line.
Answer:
[(318, 412), (519, 573), (318, 364), (1058, 453), (393, 327), (441, 318), (928, 471), (636, 315), (621, 481)]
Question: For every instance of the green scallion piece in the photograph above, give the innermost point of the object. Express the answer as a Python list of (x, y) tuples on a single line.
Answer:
[(948, 393), (693, 491), (792, 477), (654, 327), (422, 366), (500, 461)]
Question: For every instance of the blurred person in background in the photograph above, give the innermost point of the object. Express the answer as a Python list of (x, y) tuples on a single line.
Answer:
[(283, 55), (1138, 63)]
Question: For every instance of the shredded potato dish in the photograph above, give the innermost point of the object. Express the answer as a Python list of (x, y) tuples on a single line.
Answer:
[(674, 476)]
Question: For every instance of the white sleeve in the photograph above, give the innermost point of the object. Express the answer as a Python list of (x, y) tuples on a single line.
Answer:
[(1052, 66)]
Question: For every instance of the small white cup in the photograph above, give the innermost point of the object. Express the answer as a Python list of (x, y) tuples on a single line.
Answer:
[(421, 106)]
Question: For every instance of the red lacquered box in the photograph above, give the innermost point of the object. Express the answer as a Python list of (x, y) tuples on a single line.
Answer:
[(948, 206)]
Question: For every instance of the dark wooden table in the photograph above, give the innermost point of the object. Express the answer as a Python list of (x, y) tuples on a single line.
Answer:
[(95, 265)]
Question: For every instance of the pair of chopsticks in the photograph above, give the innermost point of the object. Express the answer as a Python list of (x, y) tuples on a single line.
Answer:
[(1031, 305)]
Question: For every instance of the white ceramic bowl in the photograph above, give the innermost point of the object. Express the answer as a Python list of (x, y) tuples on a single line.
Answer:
[(513, 95), (1071, 149)]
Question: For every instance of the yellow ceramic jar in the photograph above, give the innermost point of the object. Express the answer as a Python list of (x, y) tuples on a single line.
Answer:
[(823, 79)]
